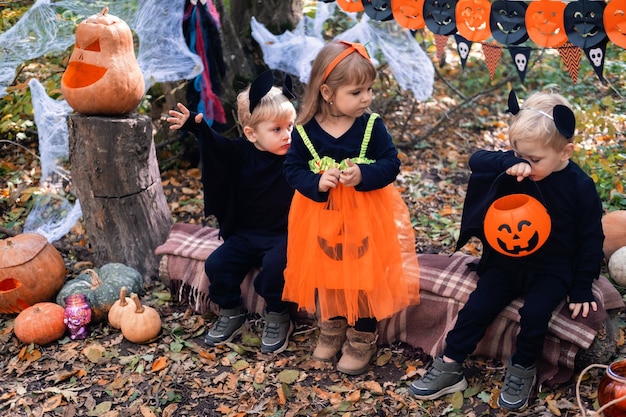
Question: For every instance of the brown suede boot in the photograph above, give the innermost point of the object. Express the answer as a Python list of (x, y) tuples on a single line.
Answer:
[(331, 338), (357, 352)]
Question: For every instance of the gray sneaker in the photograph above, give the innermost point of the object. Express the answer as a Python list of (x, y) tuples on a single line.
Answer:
[(229, 324), (518, 383), (278, 327), (440, 379)]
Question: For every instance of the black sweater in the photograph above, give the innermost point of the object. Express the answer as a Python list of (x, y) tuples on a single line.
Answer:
[(573, 250), (243, 187)]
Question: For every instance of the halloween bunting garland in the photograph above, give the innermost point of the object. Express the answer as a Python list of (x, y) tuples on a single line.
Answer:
[(572, 27)]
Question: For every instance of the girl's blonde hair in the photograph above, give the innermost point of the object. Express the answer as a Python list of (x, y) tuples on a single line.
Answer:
[(353, 69), (535, 121), (273, 106)]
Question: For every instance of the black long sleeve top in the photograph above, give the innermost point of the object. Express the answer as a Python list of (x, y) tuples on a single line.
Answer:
[(244, 187), (374, 176), (574, 247)]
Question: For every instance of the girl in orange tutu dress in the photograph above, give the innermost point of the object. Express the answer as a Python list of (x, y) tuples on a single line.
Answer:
[(351, 246)]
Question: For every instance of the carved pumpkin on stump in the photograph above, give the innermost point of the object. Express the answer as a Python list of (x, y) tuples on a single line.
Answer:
[(517, 225), (103, 76), (31, 271)]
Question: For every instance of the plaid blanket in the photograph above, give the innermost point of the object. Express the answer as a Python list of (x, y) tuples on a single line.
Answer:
[(446, 283)]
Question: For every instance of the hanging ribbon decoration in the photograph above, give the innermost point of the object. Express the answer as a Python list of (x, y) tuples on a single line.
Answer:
[(571, 27)]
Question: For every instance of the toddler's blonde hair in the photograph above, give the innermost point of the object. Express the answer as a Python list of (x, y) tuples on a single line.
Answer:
[(273, 106), (535, 121)]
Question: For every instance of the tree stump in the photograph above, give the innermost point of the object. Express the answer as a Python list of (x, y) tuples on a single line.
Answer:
[(118, 184)]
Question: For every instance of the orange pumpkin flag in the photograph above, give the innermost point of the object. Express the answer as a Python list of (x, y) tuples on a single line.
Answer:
[(409, 13), (472, 19), (544, 23), (615, 22), (103, 76), (350, 6)]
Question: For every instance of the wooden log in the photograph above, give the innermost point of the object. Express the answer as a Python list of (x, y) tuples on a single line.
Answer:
[(118, 183)]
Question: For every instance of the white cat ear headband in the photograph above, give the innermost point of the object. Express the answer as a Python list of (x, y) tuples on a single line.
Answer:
[(563, 116)]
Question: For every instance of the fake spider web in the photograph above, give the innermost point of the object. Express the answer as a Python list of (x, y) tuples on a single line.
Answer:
[(48, 27)]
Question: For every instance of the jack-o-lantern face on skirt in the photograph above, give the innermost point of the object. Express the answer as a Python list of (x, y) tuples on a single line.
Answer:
[(517, 225), (439, 16), (334, 242), (544, 23), (507, 22)]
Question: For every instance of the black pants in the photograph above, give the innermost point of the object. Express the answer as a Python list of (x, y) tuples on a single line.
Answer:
[(229, 264), (496, 288)]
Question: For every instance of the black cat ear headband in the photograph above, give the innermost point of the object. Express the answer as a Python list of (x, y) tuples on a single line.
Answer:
[(563, 116), (263, 84)]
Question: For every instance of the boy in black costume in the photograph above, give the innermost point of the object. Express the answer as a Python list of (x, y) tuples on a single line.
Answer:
[(245, 189), (563, 268)]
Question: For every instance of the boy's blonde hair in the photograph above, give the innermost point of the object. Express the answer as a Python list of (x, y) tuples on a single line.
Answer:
[(535, 121), (273, 106), (353, 69)]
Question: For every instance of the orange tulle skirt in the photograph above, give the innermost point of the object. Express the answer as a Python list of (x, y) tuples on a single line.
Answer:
[(352, 256)]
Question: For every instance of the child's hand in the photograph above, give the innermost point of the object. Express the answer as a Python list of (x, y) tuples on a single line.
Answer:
[(328, 180), (576, 308), (352, 176), (520, 170), (178, 119)]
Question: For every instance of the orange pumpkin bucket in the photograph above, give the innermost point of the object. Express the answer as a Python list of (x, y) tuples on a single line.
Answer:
[(517, 225)]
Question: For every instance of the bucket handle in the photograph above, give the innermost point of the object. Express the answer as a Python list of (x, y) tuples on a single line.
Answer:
[(605, 406)]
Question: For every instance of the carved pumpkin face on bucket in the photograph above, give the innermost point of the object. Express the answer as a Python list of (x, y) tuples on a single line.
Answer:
[(517, 225), (103, 76)]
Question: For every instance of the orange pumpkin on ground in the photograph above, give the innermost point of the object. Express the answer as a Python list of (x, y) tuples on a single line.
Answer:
[(103, 76), (31, 271), (41, 324), (121, 307), (614, 228), (141, 325)]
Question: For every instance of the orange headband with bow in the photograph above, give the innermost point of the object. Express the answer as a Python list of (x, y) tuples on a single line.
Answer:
[(352, 47)]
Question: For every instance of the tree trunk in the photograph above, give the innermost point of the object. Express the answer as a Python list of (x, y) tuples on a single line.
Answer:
[(242, 55), (118, 183)]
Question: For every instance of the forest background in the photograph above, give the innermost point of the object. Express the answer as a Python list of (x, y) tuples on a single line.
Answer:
[(435, 138)]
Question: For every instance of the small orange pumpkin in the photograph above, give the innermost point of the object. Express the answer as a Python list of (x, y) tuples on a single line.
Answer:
[(141, 325), (614, 228), (31, 271), (517, 225), (121, 307), (103, 76), (41, 323)]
